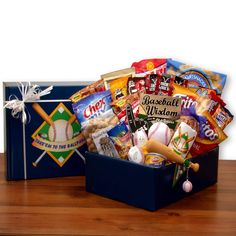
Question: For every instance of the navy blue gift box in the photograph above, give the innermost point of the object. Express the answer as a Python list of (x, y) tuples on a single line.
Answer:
[(145, 186), (30, 151)]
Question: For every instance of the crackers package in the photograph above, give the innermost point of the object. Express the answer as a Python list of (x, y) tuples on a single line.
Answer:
[(197, 77), (92, 106)]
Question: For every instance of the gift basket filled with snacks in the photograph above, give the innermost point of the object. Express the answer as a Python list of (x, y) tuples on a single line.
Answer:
[(152, 131)]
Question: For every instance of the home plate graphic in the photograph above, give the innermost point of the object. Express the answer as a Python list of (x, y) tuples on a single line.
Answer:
[(58, 136)]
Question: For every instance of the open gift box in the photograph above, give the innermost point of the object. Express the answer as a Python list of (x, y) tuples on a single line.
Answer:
[(35, 149), (145, 186)]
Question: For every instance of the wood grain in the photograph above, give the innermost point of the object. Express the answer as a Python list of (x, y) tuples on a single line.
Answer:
[(61, 206)]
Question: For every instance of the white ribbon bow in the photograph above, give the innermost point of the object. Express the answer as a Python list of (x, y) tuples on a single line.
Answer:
[(28, 93)]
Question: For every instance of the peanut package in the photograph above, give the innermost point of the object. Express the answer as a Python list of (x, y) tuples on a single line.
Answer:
[(196, 76)]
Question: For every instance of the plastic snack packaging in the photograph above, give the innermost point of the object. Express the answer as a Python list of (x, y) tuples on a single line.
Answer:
[(149, 66), (92, 106), (97, 86), (118, 88), (95, 133), (119, 106), (209, 133), (103, 143), (94, 113), (197, 77), (162, 84), (121, 137), (215, 100), (152, 83), (222, 116), (116, 81), (136, 84)]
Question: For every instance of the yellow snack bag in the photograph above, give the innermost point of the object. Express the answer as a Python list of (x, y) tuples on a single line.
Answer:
[(118, 88)]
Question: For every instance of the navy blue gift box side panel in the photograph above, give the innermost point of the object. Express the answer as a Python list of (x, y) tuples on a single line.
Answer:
[(14, 145), (205, 177), (14, 148), (120, 180), (144, 186)]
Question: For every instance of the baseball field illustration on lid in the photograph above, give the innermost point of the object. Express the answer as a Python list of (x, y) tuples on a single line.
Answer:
[(58, 136)]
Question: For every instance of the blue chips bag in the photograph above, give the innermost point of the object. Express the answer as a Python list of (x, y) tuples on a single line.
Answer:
[(93, 106)]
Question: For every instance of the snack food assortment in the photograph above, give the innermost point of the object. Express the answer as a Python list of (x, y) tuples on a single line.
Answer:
[(155, 112)]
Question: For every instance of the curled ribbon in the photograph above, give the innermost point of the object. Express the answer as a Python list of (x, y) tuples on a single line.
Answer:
[(28, 93)]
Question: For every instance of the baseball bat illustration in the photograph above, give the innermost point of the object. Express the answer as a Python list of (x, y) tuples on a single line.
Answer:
[(157, 147), (45, 117), (49, 121), (43, 114)]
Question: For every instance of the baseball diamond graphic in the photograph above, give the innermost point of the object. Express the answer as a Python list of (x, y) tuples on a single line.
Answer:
[(58, 136)]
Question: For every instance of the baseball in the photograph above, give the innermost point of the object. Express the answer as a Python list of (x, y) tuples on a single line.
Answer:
[(136, 155), (187, 186), (140, 137), (159, 131), (61, 131)]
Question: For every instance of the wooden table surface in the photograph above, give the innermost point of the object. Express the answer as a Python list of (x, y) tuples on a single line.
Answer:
[(61, 206)]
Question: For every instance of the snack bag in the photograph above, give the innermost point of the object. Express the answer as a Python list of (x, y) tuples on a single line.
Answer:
[(149, 66), (97, 86), (152, 83), (103, 143), (222, 116), (92, 106), (118, 88), (119, 106), (95, 130), (197, 77), (136, 84), (116, 81), (108, 77), (216, 107), (162, 84), (215, 100), (209, 133), (121, 137)]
